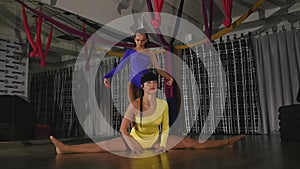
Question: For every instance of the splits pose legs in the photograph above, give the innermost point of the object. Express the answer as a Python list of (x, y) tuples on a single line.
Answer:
[(118, 144)]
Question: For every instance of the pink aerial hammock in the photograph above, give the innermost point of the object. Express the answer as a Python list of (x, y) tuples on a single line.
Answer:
[(37, 46), (43, 56), (227, 5), (27, 31), (168, 89), (158, 5), (75, 31), (155, 22), (67, 29)]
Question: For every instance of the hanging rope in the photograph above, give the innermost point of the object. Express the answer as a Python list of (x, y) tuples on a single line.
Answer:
[(227, 5), (179, 14), (43, 57), (168, 64), (38, 41), (208, 26)]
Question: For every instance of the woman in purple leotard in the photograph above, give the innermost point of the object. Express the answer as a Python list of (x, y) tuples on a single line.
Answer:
[(140, 58)]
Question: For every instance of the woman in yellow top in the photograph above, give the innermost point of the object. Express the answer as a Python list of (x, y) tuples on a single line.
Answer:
[(148, 113)]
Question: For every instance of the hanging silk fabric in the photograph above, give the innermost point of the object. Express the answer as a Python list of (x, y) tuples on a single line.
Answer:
[(158, 5), (170, 91), (37, 46), (174, 100), (43, 56), (157, 30), (72, 30), (227, 5), (208, 24)]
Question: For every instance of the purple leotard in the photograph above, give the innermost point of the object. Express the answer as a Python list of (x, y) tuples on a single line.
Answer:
[(138, 66)]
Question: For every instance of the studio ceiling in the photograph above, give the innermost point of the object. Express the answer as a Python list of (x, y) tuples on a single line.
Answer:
[(99, 12)]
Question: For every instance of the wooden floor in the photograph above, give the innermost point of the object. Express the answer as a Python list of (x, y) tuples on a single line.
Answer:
[(254, 152)]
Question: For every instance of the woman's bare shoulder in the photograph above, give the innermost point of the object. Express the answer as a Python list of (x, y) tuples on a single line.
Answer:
[(135, 103)]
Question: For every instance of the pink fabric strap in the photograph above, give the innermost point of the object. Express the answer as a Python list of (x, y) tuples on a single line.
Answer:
[(43, 57), (27, 31), (158, 6), (77, 32), (227, 5), (37, 45)]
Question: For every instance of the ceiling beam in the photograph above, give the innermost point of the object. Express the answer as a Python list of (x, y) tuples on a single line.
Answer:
[(278, 2)]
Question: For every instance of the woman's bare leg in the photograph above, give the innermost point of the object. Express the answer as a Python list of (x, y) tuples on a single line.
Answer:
[(195, 144), (229, 143), (132, 95), (62, 148), (234, 139), (113, 145), (116, 144)]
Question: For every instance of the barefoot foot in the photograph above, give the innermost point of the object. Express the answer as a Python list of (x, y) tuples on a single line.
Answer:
[(234, 139), (59, 146)]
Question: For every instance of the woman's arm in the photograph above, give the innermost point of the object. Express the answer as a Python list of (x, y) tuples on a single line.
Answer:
[(158, 68), (122, 63), (165, 127), (126, 121)]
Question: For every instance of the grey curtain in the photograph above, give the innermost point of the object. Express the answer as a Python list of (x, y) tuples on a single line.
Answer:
[(278, 66), (95, 123), (51, 96), (104, 100), (240, 109)]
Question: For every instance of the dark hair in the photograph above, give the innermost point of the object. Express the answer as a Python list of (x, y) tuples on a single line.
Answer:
[(142, 31), (149, 77)]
